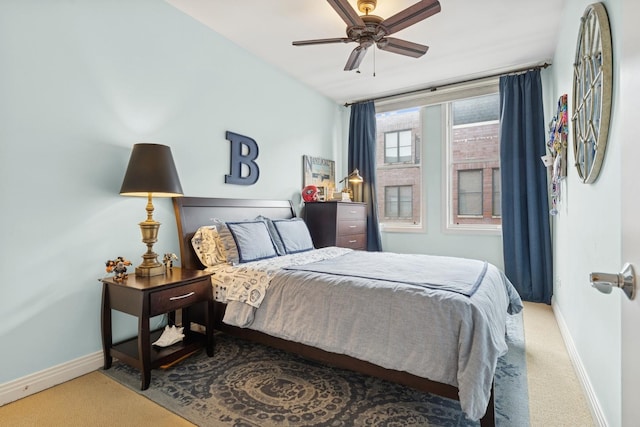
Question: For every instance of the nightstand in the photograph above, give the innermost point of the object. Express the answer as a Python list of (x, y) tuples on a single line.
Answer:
[(146, 297), (337, 223)]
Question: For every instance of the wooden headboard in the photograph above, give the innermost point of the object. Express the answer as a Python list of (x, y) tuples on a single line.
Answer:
[(194, 212)]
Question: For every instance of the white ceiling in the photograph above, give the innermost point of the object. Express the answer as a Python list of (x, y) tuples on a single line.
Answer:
[(467, 39)]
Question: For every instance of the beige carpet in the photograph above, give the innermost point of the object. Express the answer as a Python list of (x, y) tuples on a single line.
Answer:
[(90, 400), (555, 395)]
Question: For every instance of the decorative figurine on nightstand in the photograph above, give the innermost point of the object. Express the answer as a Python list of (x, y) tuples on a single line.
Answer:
[(118, 266), (168, 261)]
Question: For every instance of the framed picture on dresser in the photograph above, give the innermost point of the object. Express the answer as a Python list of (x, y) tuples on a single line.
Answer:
[(319, 172)]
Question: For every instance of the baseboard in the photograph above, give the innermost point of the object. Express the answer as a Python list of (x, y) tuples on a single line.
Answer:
[(34, 383), (592, 399)]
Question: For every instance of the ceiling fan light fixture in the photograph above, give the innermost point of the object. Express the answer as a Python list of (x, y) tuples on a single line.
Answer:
[(367, 6)]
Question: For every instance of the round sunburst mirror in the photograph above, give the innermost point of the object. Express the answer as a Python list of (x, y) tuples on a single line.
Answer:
[(592, 85)]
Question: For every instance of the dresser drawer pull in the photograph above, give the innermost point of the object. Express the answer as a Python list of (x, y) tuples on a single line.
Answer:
[(181, 296), (352, 226), (353, 212), (353, 241)]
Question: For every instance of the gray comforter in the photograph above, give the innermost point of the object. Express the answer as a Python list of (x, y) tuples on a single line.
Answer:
[(440, 334)]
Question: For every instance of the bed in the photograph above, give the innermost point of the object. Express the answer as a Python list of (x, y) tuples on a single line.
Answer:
[(452, 354)]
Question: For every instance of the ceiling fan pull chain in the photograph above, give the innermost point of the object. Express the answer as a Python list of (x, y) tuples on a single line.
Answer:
[(374, 60)]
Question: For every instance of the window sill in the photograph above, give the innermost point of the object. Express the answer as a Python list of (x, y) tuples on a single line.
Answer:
[(473, 229), (401, 228)]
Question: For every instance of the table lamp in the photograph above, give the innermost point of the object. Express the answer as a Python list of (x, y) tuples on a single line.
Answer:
[(151, 172), (352, 179)]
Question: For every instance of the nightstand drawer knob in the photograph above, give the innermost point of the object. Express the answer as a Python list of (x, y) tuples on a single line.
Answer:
[(181, 296)]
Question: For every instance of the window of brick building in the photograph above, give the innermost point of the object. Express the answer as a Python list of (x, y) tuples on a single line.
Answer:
[(398, 202), (470, 192), (397, 146), (497, 192)]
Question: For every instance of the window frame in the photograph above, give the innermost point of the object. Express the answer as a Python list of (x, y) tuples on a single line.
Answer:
[(417, 161), (440, 97), (448, 225)]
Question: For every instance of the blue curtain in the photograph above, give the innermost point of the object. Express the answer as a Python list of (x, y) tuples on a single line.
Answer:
[(526, 237), (362, 156)]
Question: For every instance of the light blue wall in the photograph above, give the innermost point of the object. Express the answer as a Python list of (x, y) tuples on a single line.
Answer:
[(80, 83), (433, 239), (587, 230)]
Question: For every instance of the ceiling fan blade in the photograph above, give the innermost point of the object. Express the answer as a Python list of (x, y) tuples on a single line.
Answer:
[(321, 41), (355, 58), (403, 47), (347, 13), (411, 15)]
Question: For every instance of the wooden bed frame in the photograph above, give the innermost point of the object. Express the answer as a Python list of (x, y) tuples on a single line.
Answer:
[(193, 212)]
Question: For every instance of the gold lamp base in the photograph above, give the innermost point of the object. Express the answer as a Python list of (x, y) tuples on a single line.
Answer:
[(150, 265), (147, 271)]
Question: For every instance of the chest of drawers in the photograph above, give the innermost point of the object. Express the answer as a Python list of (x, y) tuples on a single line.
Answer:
[(337, 224)]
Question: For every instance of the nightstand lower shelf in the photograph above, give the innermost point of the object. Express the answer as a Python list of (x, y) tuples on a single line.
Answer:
[(127, 351)]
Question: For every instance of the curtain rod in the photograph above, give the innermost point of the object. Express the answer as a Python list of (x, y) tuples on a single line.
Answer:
[(434, 88)]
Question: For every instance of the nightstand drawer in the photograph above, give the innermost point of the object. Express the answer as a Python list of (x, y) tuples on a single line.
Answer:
[(355, 241), (179, 297), (351, 227)]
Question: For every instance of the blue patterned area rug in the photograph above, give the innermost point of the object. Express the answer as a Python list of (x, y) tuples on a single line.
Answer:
[(248, 385)]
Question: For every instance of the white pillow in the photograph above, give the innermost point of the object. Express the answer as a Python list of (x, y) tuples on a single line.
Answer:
[(207, 246), (227, 242)]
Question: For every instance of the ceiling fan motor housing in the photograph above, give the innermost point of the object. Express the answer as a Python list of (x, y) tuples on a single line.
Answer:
[(371, 31)]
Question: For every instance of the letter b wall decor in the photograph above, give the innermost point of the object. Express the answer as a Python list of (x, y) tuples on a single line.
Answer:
[(238, 142)]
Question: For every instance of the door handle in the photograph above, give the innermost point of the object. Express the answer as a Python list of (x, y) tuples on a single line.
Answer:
[(625, 280)]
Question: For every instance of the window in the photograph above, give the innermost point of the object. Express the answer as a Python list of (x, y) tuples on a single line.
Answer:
[(398, 202), (470, 192), (437, 152), (496, 208), (397, 146), (473, 157), (398, 167)]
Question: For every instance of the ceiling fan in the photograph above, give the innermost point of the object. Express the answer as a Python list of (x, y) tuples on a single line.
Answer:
[(369, 29)]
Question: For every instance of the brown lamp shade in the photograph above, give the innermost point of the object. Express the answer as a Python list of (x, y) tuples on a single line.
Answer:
[(151, 170)]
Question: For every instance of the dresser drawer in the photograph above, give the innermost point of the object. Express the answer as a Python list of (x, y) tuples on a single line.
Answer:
[(353, 241), (179, 297), (351, 227), (347, 211)]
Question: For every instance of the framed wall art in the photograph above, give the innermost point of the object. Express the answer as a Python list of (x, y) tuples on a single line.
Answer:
[(319, 172)]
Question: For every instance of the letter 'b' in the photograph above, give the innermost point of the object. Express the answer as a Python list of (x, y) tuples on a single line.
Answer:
[(238, 159)]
